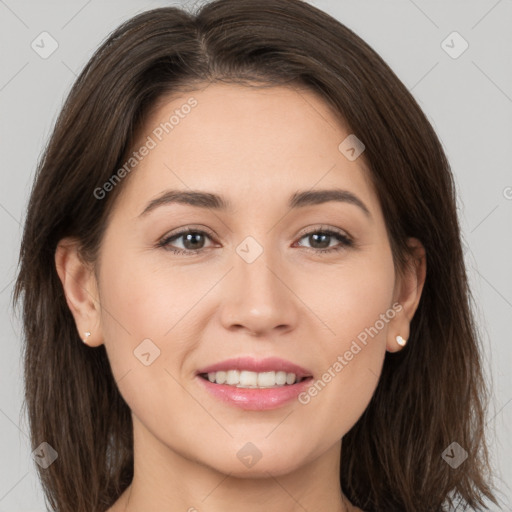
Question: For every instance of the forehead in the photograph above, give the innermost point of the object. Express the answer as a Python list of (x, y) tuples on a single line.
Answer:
[(246, 142)]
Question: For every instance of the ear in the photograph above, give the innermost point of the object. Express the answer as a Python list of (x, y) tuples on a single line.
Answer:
[(407, 293), (81, 290)]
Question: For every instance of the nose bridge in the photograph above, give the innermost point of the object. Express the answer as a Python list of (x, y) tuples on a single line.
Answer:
[(258, 299), (253, 267)]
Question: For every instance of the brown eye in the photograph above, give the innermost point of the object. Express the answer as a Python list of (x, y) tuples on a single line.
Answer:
[(320, 240), (192, 241)]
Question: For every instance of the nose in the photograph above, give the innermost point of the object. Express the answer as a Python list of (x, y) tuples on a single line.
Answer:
[(258, 297)]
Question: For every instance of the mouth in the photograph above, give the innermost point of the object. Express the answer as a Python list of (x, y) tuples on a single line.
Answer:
[(254, 380), (252, 384), (249, 372)]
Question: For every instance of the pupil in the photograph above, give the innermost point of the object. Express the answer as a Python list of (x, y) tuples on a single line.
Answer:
[(324, 236), (190, 237)]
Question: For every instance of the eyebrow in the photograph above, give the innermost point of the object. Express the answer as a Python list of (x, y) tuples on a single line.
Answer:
[(299, 199)]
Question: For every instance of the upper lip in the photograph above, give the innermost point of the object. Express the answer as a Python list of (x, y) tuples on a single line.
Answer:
[(268, 364)]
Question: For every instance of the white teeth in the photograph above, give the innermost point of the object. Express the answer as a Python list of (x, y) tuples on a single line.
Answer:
[(248, 379), (233, 377), (281, 378), (266, 379), (219, 377)]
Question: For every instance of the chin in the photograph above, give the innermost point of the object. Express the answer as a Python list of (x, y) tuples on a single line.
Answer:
[(241, 466)]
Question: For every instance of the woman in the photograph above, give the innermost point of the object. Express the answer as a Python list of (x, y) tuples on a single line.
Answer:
[(242, 274)]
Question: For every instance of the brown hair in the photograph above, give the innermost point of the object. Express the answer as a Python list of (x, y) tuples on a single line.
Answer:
[(430, 394)]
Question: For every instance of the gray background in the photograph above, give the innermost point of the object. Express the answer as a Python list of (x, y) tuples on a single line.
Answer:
[(468, 99)]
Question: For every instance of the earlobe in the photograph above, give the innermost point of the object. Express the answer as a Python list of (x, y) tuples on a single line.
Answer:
[(80, 289), (408, 292)]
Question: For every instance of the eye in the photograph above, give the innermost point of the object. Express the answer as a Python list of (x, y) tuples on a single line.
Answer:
[(193, 241), (324, 237)]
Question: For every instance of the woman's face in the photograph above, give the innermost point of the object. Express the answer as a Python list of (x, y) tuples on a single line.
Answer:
[(259, 284)]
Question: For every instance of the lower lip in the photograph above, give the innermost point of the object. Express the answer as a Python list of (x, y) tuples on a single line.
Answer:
[(255, 399)]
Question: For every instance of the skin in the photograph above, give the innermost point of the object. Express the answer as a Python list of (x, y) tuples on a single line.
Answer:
[(256, 147)]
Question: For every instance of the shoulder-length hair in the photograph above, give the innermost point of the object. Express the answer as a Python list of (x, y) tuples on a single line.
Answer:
[(429, 395)]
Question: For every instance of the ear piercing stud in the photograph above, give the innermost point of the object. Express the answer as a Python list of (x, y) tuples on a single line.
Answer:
[(401, 341), (87, 334)]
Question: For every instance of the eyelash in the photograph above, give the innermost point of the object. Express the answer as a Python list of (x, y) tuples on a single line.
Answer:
[(346, 242)]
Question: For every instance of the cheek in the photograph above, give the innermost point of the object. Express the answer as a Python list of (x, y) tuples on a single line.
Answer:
[(358, 311), (138, 309), (146, 325), (352, 297), (152, 318), (146, 299)]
